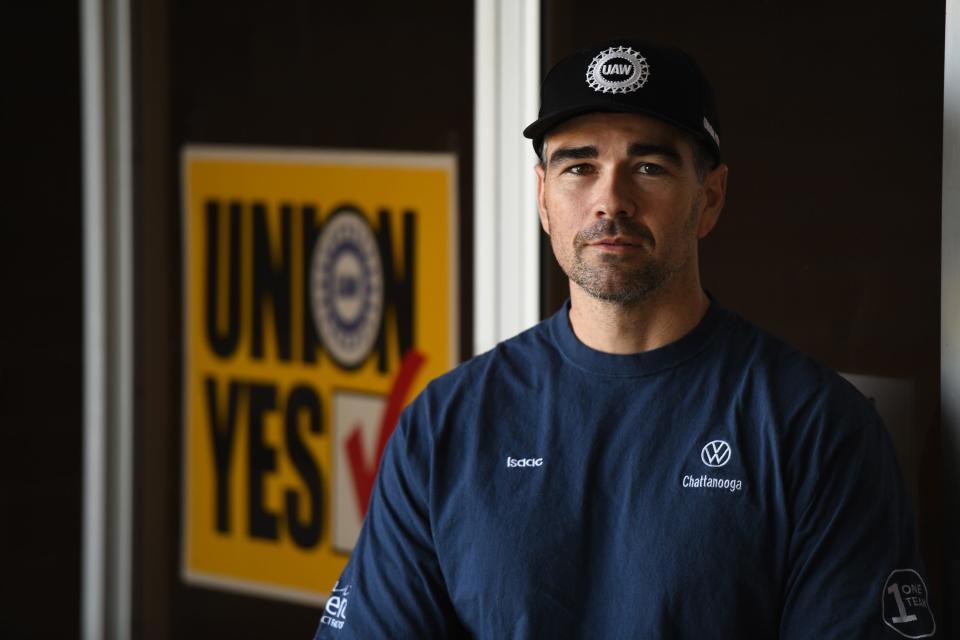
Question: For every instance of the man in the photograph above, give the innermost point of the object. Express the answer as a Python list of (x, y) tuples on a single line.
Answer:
[(644, 464)]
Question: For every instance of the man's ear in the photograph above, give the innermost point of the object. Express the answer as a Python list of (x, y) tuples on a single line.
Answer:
[(714, 196), (541, 203)]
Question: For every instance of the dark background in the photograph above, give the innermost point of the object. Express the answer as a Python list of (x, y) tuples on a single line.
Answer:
[(41, 342)]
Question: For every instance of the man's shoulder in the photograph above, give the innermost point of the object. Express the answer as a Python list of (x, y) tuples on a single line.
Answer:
[(780, 370), (516, 361)]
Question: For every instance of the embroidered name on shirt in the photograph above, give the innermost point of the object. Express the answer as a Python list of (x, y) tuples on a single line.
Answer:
[(524, 462)]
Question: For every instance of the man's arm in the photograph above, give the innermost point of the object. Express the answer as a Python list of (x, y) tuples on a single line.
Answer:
[(392, 586), (854, 565)]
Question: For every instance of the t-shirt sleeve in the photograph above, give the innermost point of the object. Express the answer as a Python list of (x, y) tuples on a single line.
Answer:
[(854, 566), (392, 587)]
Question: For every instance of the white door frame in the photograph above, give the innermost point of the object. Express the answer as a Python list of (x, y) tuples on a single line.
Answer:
[(506, 249), (950, 306), (107, 320)]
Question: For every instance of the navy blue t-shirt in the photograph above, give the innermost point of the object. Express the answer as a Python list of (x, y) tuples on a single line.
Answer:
[(722, 486)]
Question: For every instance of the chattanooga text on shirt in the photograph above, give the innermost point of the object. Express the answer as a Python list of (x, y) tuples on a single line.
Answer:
[(709, 482)]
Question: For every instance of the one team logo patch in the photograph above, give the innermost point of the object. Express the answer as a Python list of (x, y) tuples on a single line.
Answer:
[(617, 70), (906, 605), (346, 285)]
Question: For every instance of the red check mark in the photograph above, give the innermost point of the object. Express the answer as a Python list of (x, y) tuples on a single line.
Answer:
[(364, 474)]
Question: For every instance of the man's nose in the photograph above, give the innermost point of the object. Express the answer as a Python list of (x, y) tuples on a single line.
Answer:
[(614, 197)]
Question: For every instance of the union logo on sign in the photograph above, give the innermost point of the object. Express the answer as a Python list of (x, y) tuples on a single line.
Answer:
[(715, 453)]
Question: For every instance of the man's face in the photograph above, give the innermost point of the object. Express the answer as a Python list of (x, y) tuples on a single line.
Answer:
[(622, 203)]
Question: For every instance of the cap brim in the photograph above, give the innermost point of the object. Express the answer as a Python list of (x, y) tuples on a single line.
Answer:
[(537, 130)]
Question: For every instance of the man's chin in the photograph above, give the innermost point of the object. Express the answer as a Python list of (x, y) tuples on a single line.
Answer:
[(620, 287), (622, 295)]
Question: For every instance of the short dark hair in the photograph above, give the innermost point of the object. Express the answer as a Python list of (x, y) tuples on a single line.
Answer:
[(704, 161)]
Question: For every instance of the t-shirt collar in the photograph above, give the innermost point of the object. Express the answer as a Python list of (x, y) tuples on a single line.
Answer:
[(635, 364)]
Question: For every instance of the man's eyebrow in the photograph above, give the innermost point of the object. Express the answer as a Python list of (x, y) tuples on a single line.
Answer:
[(573, 153), (665, 150)]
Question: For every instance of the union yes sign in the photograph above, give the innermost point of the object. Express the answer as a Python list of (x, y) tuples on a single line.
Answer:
[(320, 296)]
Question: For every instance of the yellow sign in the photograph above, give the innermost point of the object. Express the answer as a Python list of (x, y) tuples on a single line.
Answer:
[(319, 298)]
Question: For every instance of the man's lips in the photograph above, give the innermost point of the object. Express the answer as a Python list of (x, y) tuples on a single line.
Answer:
[(617, 244), (615, 241)]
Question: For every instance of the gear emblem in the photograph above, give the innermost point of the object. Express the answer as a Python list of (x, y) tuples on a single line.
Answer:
[(617, 70), (346, 286)]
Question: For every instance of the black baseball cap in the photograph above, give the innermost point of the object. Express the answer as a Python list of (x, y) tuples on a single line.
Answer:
[(629, 76)]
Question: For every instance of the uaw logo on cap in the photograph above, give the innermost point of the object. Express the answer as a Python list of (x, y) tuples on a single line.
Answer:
[(346, 286), (617, 70)]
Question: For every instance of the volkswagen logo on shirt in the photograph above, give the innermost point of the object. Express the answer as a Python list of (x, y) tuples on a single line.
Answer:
[(716, 453)]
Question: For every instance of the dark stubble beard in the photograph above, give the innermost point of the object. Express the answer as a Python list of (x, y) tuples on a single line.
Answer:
[(618, 280)]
